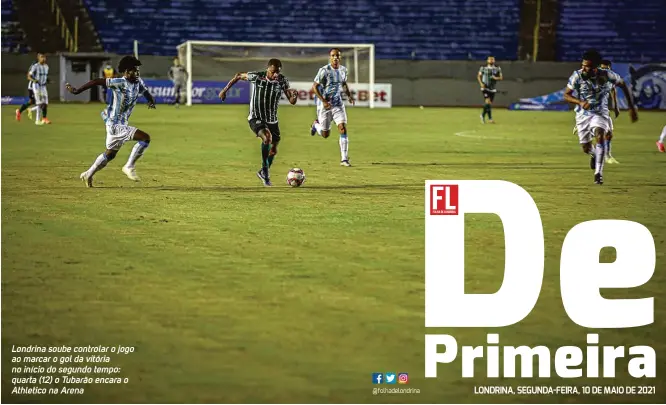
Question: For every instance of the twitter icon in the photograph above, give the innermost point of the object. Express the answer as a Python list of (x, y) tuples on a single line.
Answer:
[(390, 378)]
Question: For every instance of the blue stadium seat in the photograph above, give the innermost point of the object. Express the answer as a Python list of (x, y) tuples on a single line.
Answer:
[(429, 29), (613, 28), (12, 35)]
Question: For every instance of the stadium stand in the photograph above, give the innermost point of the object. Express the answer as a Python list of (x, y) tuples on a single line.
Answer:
[(430, 29), (13, 37), (628, 31)]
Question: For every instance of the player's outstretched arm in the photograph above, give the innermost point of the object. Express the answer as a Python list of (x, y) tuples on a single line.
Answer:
[(349, 94), (616, 106), (89, 85), (633, 112), (292, 95), (234, 80), (478, 78), (149, 97)]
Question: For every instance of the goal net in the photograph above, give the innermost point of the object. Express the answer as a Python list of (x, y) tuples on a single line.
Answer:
[(213, 61)]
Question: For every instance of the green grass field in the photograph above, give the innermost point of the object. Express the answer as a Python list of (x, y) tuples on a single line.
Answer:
[(233, 292)]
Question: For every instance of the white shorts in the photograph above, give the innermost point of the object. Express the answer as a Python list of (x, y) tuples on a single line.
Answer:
[(586, 124), (337, 114), (41, 94), (117, 135)]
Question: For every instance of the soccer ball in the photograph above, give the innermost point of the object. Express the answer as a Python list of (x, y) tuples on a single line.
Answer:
[(295, 177)]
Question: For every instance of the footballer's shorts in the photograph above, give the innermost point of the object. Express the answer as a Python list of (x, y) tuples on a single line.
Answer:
[(31, 95), (117, 135), (41, 94), (337, 114), (586, 123), (257, 125), (489, 94)]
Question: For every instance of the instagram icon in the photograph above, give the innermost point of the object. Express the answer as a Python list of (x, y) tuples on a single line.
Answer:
[(403, 378)]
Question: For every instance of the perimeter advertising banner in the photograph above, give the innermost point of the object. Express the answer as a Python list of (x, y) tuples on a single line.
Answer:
[(647, 83), (7, 100), (360, 92), (203, 92), (206, 92)]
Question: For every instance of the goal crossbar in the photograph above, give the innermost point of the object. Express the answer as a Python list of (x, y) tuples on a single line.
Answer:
[(277, 44), (187, 47)]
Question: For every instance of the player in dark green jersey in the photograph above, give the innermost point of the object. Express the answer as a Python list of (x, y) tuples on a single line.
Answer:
[(487, 77), (266, 88)]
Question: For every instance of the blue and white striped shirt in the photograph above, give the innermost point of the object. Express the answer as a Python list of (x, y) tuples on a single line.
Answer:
[(331, 80), (125, 94), (595, 91), (40, 73)]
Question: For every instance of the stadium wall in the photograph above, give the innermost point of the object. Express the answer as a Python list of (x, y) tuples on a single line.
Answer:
[(414, 83)]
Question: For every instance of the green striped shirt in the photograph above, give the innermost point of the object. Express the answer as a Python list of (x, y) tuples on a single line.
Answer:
[(487, 73), (265, 96)]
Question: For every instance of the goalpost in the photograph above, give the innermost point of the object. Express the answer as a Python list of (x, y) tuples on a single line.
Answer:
[(220, 60)]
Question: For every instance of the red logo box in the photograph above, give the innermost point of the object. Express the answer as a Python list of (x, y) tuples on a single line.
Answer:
[(443, 199)]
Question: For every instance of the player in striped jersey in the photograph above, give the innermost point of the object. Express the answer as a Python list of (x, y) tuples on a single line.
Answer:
[(606, 64), (488, 76), (266, 88), (593, 86), (126, 91), (38, 78), (39, 74), (328, 85)]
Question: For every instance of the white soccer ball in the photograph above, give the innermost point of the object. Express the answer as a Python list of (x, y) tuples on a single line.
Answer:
[(295, 177)]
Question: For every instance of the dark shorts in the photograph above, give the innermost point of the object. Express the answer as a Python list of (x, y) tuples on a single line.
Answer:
[(488, 94), (257, 125), (31, 94)]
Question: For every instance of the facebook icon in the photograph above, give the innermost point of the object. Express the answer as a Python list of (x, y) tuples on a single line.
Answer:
[(377, 378)]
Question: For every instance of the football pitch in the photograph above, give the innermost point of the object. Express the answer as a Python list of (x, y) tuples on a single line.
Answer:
[(233, 292)]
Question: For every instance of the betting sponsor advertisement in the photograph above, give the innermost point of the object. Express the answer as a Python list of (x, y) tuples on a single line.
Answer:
[(206, 92), (360, 92)]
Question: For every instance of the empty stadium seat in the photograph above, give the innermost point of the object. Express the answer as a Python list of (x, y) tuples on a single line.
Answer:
[(429, 29), (622, 31), (12, 35)]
